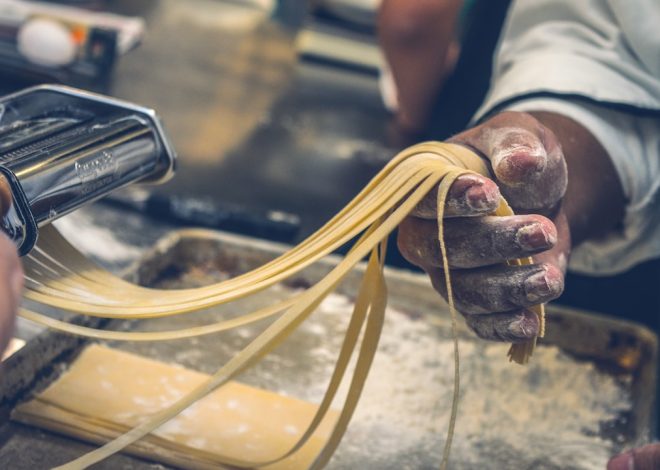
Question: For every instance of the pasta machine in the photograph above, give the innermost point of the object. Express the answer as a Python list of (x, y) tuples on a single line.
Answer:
[(61, 148)]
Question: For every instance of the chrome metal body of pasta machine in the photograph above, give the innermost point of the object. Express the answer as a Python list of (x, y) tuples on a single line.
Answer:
[(61, 148)]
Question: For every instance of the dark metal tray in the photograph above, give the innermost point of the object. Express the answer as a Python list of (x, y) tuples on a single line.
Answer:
[(588, 392)]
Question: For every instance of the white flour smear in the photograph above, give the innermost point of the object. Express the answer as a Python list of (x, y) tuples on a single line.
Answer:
[(546, 415)]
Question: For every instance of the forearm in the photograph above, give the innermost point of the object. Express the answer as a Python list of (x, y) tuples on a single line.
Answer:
[(416, 38)]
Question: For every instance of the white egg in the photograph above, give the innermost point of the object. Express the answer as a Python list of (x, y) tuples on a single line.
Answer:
[(46, 42)]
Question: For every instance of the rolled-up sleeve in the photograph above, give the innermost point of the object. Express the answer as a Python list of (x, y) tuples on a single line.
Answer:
[(633, 143)]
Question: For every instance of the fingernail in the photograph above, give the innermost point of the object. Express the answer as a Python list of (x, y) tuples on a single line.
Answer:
[(622, 462), (537, 287), (525, 327), (534, 237), (480, 199), (515, 164)]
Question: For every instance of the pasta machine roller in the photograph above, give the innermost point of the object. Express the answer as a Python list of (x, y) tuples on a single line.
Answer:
[(61, 148)]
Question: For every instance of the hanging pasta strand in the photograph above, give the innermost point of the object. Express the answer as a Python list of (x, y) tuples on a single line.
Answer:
[(57, 275)]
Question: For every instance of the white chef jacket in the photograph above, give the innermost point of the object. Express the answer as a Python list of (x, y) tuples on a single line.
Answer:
[(597, 62)]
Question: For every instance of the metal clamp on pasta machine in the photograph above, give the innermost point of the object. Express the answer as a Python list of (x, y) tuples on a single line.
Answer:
[(61, 148)]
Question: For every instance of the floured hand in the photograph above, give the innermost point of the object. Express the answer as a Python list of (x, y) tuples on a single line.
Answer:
[(530, 172)]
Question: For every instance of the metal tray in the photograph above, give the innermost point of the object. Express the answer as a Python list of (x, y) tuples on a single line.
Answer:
[(588, 392)]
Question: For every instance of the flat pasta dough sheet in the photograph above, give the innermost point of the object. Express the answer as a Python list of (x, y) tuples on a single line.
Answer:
[(106, 392)]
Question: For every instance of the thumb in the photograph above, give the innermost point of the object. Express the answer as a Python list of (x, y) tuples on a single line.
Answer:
[(526, 157)]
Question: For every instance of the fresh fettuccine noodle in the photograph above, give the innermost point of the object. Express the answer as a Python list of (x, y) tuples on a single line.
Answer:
[(59, 276)]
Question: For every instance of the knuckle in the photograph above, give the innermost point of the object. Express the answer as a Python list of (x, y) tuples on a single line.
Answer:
[(403, 243), (417, 241), (407, 241)]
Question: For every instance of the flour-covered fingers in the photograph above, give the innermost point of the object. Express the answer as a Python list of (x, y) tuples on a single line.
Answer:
[(469, 195), (511, 327), (474, 242), (500, 288)]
